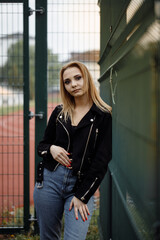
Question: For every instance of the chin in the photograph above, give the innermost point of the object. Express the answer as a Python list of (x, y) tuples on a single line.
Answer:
[(76, 94)]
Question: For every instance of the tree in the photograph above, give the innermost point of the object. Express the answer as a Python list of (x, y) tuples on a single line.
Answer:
[(54, 67), (12, 72)]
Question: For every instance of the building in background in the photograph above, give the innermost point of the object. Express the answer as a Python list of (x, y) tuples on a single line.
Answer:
[(10, 97)]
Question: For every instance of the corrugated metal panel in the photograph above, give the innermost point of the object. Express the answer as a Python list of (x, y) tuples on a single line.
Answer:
[(129, 82)]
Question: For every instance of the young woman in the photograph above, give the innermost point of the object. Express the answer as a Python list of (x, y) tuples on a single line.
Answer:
[(76, 149)]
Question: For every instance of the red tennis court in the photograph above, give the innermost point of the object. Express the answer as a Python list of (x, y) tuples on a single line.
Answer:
[(11, 160)]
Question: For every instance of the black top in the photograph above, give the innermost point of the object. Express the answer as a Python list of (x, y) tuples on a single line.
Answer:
[(73, 131)]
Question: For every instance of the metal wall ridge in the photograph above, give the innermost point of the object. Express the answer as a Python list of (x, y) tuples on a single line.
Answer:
[(117, 56), (104, 53), (112, 167), (137, 18)]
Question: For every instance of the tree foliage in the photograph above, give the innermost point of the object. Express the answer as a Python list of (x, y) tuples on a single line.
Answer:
[(11, 73)]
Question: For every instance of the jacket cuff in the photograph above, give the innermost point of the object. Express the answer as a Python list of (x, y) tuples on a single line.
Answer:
[(85, 191), (45, 153)]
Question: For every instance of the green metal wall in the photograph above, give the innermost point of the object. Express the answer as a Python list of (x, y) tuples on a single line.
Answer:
[(129, 62)]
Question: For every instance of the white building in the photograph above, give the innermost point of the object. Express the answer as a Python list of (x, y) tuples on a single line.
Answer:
[(10, 97)]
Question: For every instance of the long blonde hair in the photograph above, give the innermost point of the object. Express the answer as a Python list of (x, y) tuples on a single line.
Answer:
[(68, 100)]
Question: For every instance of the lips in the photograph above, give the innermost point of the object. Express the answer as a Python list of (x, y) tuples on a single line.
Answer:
[(77, 90)]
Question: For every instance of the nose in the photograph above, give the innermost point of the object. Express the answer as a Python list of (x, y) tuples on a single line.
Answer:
[(74, 83)]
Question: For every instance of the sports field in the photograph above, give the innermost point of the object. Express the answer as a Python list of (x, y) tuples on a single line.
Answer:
[(12, 157)]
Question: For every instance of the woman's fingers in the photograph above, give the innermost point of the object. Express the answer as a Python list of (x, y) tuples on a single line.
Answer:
[(62, 159), (81, 207), (60, 155), (71, 205), (85, 213), (64, 162), (82, 212), (87, 210), (76, 212)]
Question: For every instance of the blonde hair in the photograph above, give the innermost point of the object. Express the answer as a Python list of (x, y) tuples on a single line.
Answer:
[(89, 87)]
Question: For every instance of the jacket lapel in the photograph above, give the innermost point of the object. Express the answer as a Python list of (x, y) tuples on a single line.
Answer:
[(88, 119)]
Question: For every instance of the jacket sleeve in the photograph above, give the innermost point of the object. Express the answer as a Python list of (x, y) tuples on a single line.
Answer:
[(49, 137), (98, 168)]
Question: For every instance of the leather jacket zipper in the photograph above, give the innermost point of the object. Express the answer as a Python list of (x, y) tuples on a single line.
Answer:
[(56, 166), (68, 142), (67, 134), (96, 137), (83, 197), (79, 172)]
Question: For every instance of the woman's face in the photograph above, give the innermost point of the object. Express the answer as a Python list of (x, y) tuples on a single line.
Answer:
[(74, 82)]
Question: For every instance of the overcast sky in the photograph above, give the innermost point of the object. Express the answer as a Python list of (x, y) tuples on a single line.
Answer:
[(71, 27)]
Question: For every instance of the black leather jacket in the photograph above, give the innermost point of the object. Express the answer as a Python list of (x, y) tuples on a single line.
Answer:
[(92, 148)]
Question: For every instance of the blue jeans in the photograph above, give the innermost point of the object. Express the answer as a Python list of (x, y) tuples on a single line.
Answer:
[(53, 200)]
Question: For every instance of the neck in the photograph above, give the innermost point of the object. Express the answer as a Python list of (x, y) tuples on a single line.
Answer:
[(83, 101)]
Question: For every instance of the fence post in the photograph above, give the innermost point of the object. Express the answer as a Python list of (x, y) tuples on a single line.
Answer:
[(26, 112), (40, 72)]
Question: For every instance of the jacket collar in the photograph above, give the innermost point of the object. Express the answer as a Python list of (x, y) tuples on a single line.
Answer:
[(88, 119), (95, 109)]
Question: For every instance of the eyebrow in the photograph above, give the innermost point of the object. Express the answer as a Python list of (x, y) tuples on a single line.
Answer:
[(74, 76)]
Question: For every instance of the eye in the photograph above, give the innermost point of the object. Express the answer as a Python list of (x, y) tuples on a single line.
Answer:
[(78, 77), (67, 81)]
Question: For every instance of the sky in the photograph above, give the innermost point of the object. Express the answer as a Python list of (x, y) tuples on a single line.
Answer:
[(71, 27)]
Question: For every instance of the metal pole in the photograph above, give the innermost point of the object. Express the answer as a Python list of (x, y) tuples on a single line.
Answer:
[(40, 74), (26, 112)]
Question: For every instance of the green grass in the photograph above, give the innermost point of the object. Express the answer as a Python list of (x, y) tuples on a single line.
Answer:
[(20, 237), (10, 109), (93, 233), (5, 110)]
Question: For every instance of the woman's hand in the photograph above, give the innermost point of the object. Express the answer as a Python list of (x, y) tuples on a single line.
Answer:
[(81, 207), (60, 155)]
